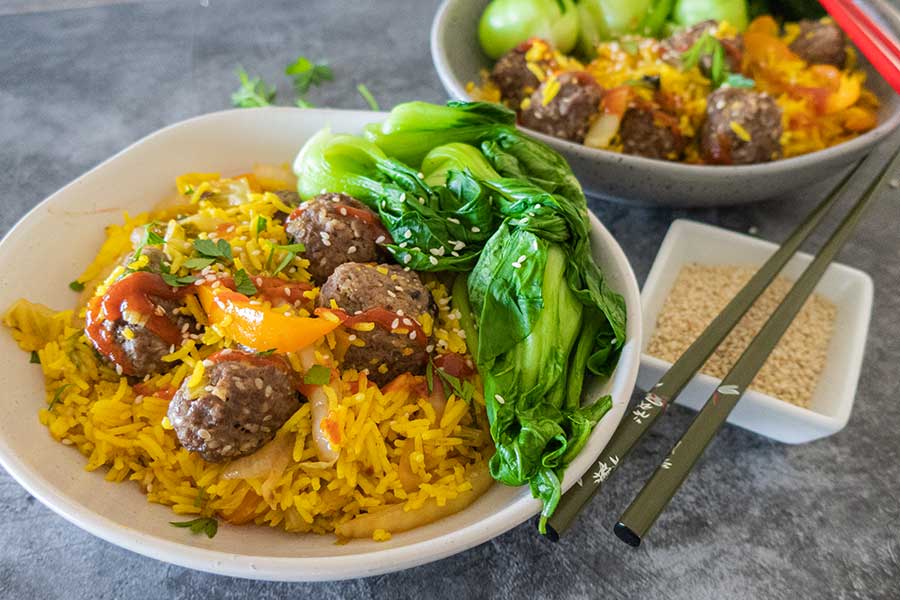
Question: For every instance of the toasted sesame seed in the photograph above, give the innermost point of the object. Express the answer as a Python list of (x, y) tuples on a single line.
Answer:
[(476, 229), (412, 334), (400, 311), (432, 260), (452, 220), (204, 434), (407, 258), (351, 250), (407, 234), (259, 383), (380, 239), (499, 399), (395, 323), (343, 211)]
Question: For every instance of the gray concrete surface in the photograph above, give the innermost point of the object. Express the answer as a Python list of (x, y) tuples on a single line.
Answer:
[(757, 519)]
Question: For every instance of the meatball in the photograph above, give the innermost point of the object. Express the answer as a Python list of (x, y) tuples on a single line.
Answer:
[(385, 353), (512, 75), (674, 46), (651, 133), (568, 113), (741, 127), (336, 228), (243, 402), (145, 349), (821, 42), (136, 323)]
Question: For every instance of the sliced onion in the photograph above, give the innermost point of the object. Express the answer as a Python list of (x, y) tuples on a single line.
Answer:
[(271, 458), (602, 131), (319, 404), (438, 400)]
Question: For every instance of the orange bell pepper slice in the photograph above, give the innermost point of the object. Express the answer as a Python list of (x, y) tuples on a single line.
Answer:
[(258, 327)]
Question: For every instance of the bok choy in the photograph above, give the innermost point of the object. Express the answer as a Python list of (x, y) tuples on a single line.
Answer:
[(461, 190)]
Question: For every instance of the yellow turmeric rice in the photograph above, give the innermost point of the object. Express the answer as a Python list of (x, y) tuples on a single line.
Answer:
[(399, 463)]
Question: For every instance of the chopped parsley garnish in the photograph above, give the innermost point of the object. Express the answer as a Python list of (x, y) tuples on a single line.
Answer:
[(739, 81), (462, 388), (198, 262), (307, 74), (214, 249), (253, 93), (57, 395), (317, 375), (261, 224), (243, 283), (367, 96), (268, 352), (35, 359), (76, 286), (174, 281), (207, 525)]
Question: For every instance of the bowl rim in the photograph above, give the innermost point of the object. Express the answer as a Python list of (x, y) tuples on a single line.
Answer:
[(673, 170), (315, 568)]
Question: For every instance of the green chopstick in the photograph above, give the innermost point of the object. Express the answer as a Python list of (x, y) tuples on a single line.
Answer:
[(653, 498), (654, 403)]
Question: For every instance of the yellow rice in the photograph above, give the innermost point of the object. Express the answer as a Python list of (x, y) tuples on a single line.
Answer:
[(126, 432)]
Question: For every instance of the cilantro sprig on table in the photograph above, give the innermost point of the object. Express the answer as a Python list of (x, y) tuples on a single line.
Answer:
[(207, 525), (253, 93)]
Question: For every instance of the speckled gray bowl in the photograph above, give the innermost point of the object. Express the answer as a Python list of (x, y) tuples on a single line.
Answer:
[(458, 59)]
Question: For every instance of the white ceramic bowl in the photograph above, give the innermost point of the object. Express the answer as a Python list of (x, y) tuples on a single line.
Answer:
[(458, 59), (848, 288), (55, 241)]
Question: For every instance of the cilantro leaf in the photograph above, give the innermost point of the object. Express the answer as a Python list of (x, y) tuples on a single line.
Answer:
[(198, 262), (739, 81), (211, 249), (35, 359), (76, 286), (367, 96), (261, 224), (292, 247), (307, 74), (188, 190), (429, 376), (243, 283), (284, 262), (459, 388), (174, 281), (207, 525), (253, 93), (317, 375)]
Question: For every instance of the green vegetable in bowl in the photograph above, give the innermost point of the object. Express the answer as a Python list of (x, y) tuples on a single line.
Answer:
[(688, 12), (507, 23), (471, 194)]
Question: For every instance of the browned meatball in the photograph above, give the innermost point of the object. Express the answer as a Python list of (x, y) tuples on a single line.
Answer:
[(741, 127), (243, 402), (336, 228), (397, 300), (136, 322), (651, 133), (674, 46), (513, 77), (821, 42), (567, 114)]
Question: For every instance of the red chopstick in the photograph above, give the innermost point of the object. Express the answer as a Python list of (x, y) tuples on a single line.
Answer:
[(882, 50)]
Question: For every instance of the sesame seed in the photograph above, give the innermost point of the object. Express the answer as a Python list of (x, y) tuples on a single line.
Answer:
[(429, 348), (517, 265), (268, 391), (259, 383), (407, 321), (421, 175), (437, 251), (407, 234), (452, 220), (380, 239), (407, 258), (412, 334), (208, 363), (395, 323), (351, 337), (454, 253), (499, 399), (287, 292), (400, 312), (351, 250), (204, 434), (421, 200), (119, 369), (432, 260), (459, 245), (391, 294), (343, 212), (476, 229)]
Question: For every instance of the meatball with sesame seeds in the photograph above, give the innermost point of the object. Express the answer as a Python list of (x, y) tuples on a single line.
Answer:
[(136, 322), (243, 400), (392, 299), (564, 106), (514, 77), (821, 42), (336, 228), (651, 133), (741, 127)]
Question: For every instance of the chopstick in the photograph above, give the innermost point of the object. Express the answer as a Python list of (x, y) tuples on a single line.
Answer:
[(637, 519), (654, 403), (880, 48)]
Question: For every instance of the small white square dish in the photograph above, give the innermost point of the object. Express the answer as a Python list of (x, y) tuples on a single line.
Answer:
[(849, 289)]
